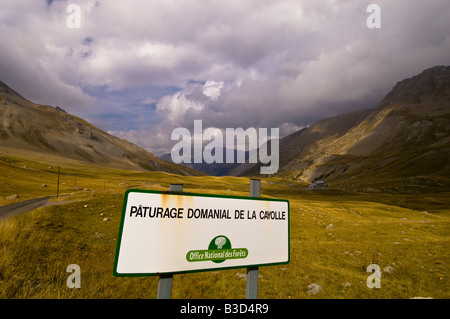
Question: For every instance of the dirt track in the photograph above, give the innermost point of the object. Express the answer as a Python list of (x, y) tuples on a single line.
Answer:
[(22, 207)]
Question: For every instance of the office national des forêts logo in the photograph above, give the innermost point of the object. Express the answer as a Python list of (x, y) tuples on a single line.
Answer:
[(218, 251)]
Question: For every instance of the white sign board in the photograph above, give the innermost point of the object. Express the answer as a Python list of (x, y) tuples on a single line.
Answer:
[(164, 232)]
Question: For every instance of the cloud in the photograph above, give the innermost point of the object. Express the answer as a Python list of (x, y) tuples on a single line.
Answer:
[(324, 63), (213, 89), (33, 77), (176, 106)]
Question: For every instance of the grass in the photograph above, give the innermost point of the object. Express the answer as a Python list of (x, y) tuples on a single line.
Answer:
[(404, 231)]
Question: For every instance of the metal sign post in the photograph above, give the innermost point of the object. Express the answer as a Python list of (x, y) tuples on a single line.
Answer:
[(252, 272), (165, 281)]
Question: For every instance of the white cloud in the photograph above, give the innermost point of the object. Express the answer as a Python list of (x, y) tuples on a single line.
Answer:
[(213, 89), (175, 107)]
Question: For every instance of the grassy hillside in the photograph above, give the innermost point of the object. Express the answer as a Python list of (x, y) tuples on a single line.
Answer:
[(406, 232), (50, 131)]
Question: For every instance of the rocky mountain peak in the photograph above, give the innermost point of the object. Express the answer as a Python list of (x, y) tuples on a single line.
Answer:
[(429, 83)]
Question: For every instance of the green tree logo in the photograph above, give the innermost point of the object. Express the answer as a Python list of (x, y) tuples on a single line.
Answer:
[(219, 242)]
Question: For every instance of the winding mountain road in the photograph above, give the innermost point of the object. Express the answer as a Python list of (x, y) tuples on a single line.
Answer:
[(22, 207)]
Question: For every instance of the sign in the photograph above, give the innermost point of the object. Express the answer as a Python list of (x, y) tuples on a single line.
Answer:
[(162, 233)]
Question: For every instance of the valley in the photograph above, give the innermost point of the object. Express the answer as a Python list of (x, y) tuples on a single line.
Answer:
[(387, 203), (335, 235)]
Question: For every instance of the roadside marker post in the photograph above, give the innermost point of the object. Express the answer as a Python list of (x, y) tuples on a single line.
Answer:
[(163, 233), (57, 185)]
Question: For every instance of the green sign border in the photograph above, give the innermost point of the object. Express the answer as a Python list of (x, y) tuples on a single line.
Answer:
[(119, 239)]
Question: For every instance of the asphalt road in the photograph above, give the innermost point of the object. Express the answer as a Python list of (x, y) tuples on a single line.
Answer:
[(22, 207)]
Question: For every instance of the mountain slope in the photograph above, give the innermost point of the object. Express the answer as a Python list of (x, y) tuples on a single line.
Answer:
[(406, 137), (47, 130)]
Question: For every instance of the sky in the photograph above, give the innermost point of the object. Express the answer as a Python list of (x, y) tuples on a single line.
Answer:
[(140, 69)]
